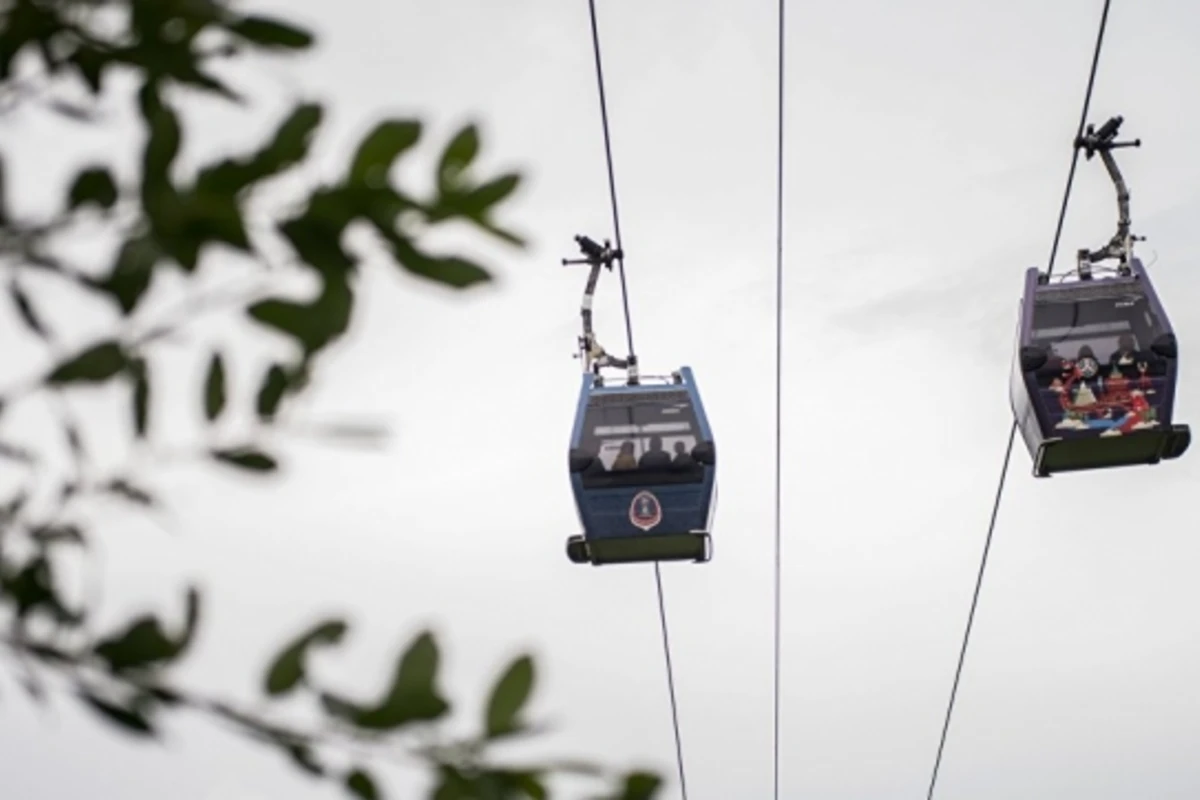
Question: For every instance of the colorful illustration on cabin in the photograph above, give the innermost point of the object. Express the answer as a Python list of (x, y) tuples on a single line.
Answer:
[(1086, 398)]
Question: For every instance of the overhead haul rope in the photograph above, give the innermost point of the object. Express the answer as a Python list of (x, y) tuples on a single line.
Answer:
[(610, 254), (1012, 434), (778, 397)]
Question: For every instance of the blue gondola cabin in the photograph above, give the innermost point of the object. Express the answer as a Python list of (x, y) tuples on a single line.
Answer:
[(643, 471)]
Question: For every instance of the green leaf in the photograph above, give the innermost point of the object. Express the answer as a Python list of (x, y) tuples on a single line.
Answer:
[(362, 785), (640, 786), (287, 669), (413, 696), (14, 452), (133, 720), (480, 200), (247, 458), (214, 388), (288, 146), (191, 621), (94, 185), (191, 75), (199, 218), (141, 396), (217, 218), (509, 696), (453, 785), (510, 783), (379, 150), (450, 270), (25, 309), (13, 506), (270, 394), (96, 364), (271, 33), (90, 63), (312, 326), (142, 644), (125, 489), (166, 696), (576, 768), (57, 534), (531, 784), (285, 316), (317, 242), (303, 756), (509, 236), (293, 137), (457, 156), (132, 272), (162, 145), (32, 587), (72, 111)]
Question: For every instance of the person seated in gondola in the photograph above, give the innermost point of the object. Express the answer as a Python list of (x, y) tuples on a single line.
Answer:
[(1052, 370), (1126, 357), (683, 459), (1137, 365), (595, 467), (1087, 364), (625, 459), (655, 457)]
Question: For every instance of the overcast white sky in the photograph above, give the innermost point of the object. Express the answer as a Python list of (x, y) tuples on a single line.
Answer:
[(927, 145)]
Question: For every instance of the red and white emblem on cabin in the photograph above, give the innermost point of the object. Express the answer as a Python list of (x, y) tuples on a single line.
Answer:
[(645, 511)]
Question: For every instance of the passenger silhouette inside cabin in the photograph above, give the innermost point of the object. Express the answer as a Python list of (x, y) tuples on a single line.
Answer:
[(594, 467), (683, 459), (1086, 363), (1125, 357), (625, 458), (655, 457), (1134, 363), (1053, 368)]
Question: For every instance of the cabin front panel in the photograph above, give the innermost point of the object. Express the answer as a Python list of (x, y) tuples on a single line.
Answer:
[(656, 510), (635, 450), (1101, 376)]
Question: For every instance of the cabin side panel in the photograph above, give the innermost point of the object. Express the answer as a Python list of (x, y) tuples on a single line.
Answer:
[(1024, 412)]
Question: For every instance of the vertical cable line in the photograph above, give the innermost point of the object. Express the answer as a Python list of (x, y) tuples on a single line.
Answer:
[(612, 191), (612, 180), (1062, 215), (778, 397)]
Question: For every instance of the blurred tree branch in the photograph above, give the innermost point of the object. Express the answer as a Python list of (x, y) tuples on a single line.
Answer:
[(51, 50)]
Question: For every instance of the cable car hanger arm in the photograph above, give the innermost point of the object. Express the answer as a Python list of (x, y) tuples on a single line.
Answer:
[(1120, 247), (593, 354)]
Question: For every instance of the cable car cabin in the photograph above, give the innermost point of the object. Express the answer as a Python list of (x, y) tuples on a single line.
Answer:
[(1094, 373), (643, 471)]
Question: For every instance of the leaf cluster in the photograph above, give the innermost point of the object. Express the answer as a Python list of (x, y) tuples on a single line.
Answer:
[(168, 221)]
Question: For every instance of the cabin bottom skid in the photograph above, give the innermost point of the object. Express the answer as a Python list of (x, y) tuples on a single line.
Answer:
[(696, 546), (1140, 447)]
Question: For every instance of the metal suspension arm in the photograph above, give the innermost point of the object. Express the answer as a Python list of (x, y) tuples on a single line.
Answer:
[(596, 256), (1120, 247)]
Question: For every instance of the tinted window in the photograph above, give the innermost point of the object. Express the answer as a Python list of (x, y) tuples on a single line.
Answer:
[(1102, 319), (640, 438)]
